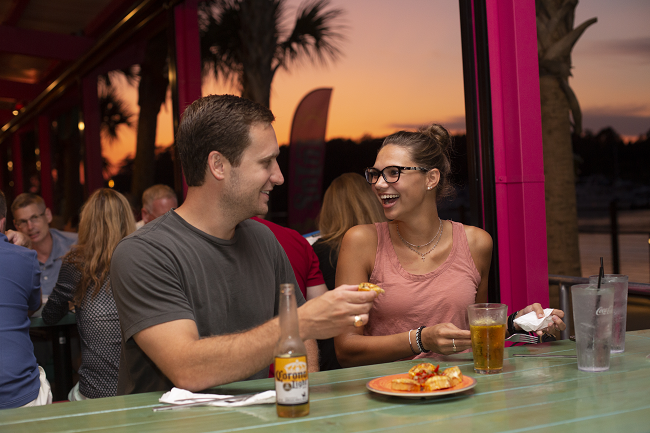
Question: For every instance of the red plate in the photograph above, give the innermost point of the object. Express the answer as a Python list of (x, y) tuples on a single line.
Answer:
[(381, 385)]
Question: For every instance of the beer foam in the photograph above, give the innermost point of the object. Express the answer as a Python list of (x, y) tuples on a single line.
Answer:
[(485, 321)]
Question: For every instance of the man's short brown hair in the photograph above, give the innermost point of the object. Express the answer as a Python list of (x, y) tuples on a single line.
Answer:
[(219, 123), (25, 199)]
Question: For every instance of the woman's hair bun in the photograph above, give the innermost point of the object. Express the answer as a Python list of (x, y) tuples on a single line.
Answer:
[(439, 133)]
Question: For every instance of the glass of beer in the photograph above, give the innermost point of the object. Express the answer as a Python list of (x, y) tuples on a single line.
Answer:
[(487, 324)]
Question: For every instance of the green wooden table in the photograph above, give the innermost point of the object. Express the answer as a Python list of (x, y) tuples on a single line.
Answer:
[(532, 394)]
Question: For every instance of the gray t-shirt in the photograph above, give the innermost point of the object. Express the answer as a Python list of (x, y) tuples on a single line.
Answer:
[(169, 270)]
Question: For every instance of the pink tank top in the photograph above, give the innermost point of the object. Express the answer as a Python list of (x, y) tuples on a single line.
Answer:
[(441, 296)]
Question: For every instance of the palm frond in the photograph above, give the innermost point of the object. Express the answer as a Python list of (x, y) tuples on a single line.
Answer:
[(246, 41), (114, 114), (130, 74), (315, 34), (221, 45)]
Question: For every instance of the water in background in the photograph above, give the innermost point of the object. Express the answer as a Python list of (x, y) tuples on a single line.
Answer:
[(634, 249)]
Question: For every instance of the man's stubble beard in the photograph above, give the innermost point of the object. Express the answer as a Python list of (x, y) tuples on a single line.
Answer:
[(239, 207)]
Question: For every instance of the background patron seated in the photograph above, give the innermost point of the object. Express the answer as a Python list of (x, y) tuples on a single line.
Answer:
[(33, 218), (157, 200)]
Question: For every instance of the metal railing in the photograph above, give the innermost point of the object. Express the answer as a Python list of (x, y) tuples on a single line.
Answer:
[(565, 284)]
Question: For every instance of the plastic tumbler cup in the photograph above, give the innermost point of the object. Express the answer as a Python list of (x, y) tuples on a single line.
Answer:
[(620, 308), (487, 324), (593, 310)]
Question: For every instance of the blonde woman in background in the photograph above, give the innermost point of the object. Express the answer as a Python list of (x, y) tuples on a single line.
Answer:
[(84, 282), (349, 201)]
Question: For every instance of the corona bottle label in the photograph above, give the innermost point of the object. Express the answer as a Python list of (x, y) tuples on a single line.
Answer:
[(291, 381)]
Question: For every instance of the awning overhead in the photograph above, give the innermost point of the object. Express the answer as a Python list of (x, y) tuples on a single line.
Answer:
[(40, 38)]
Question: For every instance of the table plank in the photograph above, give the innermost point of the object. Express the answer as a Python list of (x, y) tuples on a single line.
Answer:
[(532, 394)]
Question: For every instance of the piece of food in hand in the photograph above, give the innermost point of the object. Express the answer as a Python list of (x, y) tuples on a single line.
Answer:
[(435, 383), (404, 385), (422, 372), (367, 287), (454, 375)]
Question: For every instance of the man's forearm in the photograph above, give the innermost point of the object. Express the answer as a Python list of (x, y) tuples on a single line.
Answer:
[(312, 356), (195, 363)]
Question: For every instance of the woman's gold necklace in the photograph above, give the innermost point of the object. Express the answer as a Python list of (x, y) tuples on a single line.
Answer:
[(412, 246)]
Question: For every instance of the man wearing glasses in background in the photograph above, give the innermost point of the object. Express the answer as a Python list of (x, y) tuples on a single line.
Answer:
[(33, 218)]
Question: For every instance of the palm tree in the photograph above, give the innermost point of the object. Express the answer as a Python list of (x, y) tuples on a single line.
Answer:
[(244, 41), (152, 91), (114, 114), (556, 38), (113, 110), (152, 81), (240, 40)]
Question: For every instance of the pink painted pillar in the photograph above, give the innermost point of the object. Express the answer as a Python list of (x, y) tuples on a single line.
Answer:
[(45, 156), (94, 178), (188, 56), (518, 152)]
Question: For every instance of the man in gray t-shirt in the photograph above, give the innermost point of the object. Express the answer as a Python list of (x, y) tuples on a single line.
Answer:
[(197, 289)]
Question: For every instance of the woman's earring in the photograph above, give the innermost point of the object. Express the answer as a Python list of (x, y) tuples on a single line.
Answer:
[(429, 188)]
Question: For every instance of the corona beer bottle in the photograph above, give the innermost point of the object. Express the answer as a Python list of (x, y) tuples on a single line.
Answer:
[(291, 381)]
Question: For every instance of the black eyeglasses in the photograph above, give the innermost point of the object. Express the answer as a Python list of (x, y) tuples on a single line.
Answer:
[(33, 219), (390, 174)]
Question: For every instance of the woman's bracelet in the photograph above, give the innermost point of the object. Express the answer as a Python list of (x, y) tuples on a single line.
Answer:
[(410, 345), (418, 339), (511, 323)]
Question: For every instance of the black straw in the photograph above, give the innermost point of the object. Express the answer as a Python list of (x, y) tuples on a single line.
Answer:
[(601, 275), (601, 272)]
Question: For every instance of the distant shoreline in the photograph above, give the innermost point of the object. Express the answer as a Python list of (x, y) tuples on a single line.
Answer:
[(629, 222)]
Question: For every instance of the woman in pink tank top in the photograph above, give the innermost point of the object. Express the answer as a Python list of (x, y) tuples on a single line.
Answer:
[(430, 269)]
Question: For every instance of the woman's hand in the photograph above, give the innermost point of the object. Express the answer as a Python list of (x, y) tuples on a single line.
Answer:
[(557, 316), (443, 337)]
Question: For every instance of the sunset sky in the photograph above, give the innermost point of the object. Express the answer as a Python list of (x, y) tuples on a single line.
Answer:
[(401, 68)]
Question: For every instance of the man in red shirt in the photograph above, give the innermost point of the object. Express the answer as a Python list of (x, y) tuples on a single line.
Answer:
[(302, 257)]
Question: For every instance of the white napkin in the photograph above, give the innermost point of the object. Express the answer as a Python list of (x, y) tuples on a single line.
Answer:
[(529, 322), (182, 396)]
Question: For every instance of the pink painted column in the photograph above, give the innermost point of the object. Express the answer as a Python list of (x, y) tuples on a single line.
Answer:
[(94, 177), (188, 56), (45, 156), (518, 152)]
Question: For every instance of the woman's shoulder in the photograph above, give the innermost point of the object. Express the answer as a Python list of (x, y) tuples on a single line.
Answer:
[(478, 239), (361, 234), (357, 255)]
